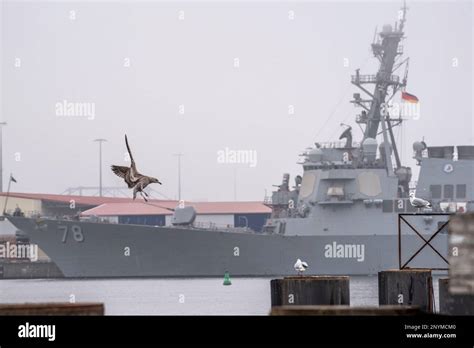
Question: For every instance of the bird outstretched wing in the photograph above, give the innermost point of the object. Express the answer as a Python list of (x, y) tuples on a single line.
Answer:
[(134, 175), (120, 171)]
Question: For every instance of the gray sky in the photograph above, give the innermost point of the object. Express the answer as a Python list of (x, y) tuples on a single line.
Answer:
[(47, 58)]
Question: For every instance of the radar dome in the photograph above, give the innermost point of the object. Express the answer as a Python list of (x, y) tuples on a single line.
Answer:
[(369, 145), (419, 146)]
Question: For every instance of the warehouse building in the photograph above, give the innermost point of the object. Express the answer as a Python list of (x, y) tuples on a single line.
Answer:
[(208, 214), (127, 211), (138, 213)]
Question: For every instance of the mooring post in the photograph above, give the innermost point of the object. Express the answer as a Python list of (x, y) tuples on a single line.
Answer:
[(460, 254), (409, 287), (456, 293), (454, 304), (443, 295), (310, 290), (54, 308), (344, 310)]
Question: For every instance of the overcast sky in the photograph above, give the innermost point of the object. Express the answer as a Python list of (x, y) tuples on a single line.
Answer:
[(199, 77)]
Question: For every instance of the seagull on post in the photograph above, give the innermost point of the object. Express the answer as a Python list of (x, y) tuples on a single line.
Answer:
[(132, 177), (300, 266), (419, 202)]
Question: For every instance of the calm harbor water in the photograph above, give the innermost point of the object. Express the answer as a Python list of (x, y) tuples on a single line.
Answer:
[(246, 296)]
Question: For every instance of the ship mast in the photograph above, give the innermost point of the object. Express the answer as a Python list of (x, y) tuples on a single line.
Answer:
[(386, 49)]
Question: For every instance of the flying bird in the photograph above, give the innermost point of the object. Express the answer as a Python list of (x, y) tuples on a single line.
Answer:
[(419, 202), (300, 266), (132, 177)]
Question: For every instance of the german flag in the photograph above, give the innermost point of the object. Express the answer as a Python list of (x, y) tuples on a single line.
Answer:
[(410, 98)]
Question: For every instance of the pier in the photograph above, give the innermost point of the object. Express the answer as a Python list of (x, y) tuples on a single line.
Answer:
[(330, 295), (411, 287), (456, 293), (53, 309), (454, 304), (339, 310), (310, 290)]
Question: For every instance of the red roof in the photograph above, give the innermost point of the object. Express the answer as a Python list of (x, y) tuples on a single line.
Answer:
[(159, 208), (135, 208), (229, 207), (81, 200), (110, 206)]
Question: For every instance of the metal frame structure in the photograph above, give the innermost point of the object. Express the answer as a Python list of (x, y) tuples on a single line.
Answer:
[(426, 242)]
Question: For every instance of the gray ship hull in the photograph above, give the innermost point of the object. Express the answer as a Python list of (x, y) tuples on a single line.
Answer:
[(84, 249)]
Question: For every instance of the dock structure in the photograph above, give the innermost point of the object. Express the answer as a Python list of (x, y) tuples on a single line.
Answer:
[(456, 293), (310, 290), (338, 310), (454, 304), (461, 254), (409, 287), (55, 308)]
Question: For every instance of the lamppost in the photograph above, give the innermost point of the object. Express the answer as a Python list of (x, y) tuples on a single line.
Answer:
[(100, 141), (179, 155), (1, 155), (235, 183)]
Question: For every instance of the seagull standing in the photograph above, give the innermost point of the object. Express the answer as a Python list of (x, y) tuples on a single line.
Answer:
[(300, 266), (419, 202), (132, 177)]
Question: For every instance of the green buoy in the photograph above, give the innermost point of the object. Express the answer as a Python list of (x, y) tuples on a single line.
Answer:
[(227, 279)]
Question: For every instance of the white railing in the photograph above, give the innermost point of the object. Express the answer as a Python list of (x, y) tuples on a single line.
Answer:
[(208, 225), (334, 145)]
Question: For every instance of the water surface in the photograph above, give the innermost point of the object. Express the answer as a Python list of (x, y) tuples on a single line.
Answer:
[(182, 296)]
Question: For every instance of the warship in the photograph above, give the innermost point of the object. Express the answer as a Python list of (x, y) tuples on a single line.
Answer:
[(342, 216)]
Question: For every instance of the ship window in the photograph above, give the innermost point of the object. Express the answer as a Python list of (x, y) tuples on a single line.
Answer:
[(448, 191), (435, 191), (461, 191)]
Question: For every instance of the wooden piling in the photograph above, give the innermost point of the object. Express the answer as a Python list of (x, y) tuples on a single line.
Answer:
[(310, 290), (461, 254), (409, 287), (454, 304), (346, 310), (52, 309)]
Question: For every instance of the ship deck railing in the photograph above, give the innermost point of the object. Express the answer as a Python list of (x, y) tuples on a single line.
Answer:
[(360, 79), (336, 145), (213, 226), (25, 213)]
